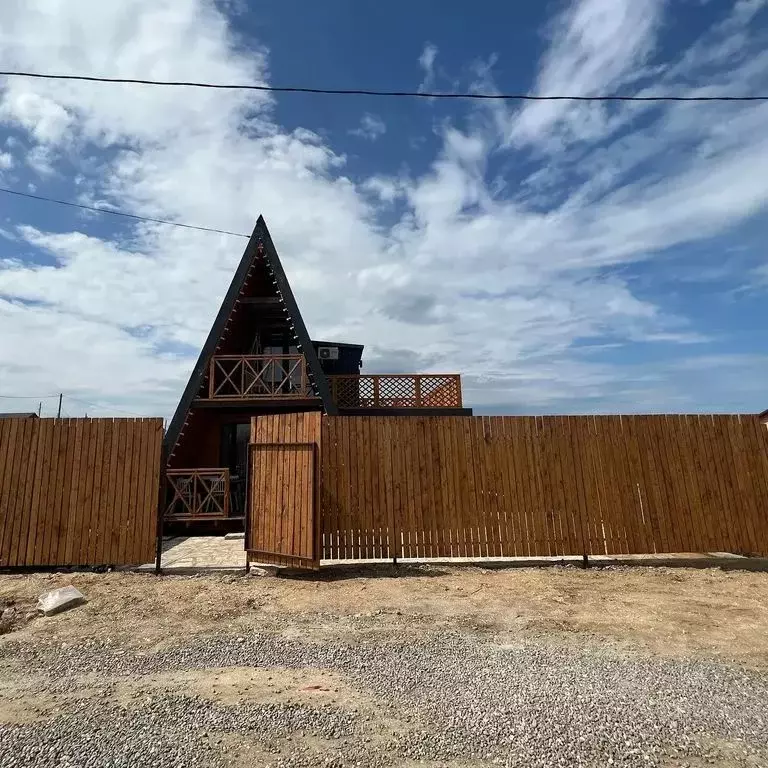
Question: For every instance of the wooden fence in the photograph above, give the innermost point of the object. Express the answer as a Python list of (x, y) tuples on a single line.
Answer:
[(78, 491), (542, 486)]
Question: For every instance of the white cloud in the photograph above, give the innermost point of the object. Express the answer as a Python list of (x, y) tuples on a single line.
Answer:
[(514, 288), (427, 64), (6, 161), (47, 121), (386, 190), (597, 47), (371, 127)]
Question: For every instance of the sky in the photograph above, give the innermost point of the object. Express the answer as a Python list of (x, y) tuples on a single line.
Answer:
[(564, 257)]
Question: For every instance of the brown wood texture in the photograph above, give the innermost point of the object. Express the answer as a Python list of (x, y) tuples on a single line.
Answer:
[(421, 487), (78, 492), (284, 490)]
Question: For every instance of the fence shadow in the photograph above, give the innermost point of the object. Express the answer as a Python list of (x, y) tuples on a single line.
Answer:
[(344, 571)]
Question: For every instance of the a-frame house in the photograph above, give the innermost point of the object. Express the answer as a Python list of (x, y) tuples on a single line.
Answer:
[(259, 358)]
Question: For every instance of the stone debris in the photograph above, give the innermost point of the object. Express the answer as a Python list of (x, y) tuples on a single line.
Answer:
[(58, 600), (263, 570)]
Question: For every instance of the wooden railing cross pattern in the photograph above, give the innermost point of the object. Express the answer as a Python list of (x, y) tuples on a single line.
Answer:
[(237, 377), (203, 494)]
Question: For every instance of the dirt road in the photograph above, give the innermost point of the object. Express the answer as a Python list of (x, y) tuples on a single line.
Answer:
[(389, 666)]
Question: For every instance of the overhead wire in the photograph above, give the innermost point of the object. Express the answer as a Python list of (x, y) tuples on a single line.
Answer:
[(103, 407), (384, 93), (120, 213), (28, 397), (66, 397)]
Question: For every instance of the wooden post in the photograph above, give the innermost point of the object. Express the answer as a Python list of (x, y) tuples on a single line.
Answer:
[(458, 391), (375, 391), (247, 501), (210, 378), (418, 390), (161, 510)]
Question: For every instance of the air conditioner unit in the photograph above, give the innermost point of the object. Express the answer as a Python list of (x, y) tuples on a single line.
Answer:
[(328, 353)]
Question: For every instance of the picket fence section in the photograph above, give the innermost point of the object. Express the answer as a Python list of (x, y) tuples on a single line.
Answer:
[(499, 486)]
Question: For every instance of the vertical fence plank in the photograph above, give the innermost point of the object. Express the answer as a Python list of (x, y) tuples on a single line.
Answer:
[(303, 494), (15, 462), (378, 493), (326, 497), (141, 516), (523, 487), (748, 506), (134, 533), (707, 479), (695, 485), (758, 445), (650, 493), (25, 484), (36, 471), (732, 504), (37, 551), (365, 500), (83, 534), (716, 476), (7, 446)]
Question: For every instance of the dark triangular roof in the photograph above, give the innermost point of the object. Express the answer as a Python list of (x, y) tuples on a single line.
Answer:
[(259, 246)]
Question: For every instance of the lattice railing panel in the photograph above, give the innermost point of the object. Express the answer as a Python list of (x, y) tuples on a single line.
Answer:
[(397, 391)]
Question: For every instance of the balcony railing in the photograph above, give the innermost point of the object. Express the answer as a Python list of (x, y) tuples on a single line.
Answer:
[(197, 494), (397, 391), (247, 377)]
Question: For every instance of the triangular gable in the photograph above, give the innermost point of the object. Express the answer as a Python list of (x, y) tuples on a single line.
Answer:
[(260, 246)]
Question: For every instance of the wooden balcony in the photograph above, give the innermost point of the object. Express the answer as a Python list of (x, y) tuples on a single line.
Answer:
[(397, 391), (197, 494), (254, 377)]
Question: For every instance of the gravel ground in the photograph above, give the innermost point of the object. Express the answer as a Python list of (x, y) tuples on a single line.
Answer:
[(447, 699), (437, 667)]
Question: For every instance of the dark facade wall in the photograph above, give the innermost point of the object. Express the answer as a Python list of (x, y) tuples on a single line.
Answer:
[(201, 445), (348, 363)]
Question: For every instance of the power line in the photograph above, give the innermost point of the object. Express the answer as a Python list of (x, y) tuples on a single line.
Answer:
[(121, 213), (103, 407), (27, 397), (74, 399), (371, 92)]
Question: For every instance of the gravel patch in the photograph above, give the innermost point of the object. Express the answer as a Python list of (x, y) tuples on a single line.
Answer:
[(453, 699), (166, 730)]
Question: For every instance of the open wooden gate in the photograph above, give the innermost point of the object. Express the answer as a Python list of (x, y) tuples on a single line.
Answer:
[(282, 525)]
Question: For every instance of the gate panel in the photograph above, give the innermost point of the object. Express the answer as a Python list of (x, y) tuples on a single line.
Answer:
[(282, 522)]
